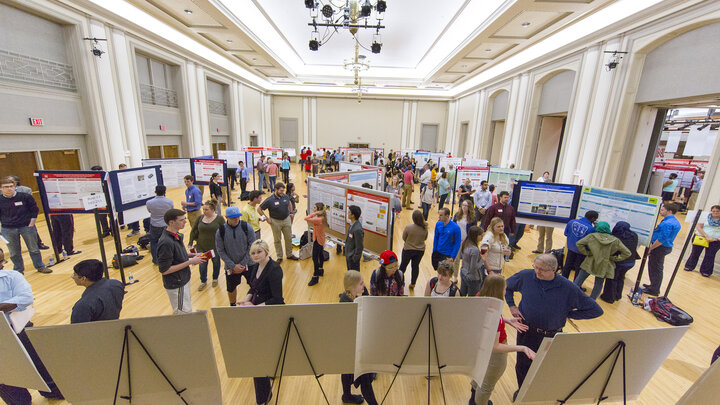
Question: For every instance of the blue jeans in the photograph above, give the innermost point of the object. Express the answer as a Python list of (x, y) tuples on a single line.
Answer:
[(597, 287), (29, 234), (204, 268), (272, 182), (261, 180), (154, 234)]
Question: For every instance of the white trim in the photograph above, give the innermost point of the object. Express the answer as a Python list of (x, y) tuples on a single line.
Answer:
[(413, 124), (404, 127)]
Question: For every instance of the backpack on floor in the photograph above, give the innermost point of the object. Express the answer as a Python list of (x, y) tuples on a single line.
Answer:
[(560, 256), (127, 260), (326, 255), (305, 251), (143, 241), (665, 310), (305, 238), (244, 196)]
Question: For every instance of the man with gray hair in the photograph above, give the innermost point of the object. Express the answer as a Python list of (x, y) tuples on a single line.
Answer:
[(547, 302)]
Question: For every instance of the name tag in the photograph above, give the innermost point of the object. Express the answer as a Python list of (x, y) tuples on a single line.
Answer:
[(18, 203), (500, 210), (350, 236), (277, 202)]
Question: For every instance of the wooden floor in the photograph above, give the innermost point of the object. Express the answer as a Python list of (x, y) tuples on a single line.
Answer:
[(56, 293)]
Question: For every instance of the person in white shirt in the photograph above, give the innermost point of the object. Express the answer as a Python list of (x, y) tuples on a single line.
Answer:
[(483, 200), (544, 232), (545, 178)]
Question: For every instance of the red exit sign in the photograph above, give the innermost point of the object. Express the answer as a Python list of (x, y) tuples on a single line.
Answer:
[(36, 122)]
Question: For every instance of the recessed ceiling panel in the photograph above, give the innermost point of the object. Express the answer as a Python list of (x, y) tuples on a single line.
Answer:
[(273, 72), (193, 17), (490, 50), (465, 66), (227, 39), (528, 23), (253, 59), (448, 78)]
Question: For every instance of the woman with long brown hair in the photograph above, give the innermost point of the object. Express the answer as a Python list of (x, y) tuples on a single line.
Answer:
[(414, 236), (318, 219)]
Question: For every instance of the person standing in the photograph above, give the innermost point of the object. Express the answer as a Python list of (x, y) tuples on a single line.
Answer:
[(133, 226), (545, 178), (691, 195), (601, 250), (661, 245), (338, 158), (414, 236), (18, 212), (244, 174), (425, 177), (193, 200), (495, 247), (710, 230), (451, 172), (216, 194), (233, 247), (393, 187), (203, 232), (272, 170), (279, 208), (613, 290), (63, 231), (501, 210), (443, 189), (442, 284), (387, 280), (318, 219), (465, 191), (103, 217), (547, 302), (465, 218), (355, 237), (575, 230), (157, 207), (483, 200), (472, 271), (27, 190), (251, 214), (427, 198), (668, 190), (408, 183), (174, 262), (260, 165), (285, 168), (447, 238), (103, 297)]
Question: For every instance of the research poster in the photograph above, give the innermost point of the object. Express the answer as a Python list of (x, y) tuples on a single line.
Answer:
[(546, 201), (136, 185), (421, 158), (350, 166), (476, 175), (639, 210), (475, 162), (436, 157), (363, 178), (445, 162), (204, 168), (374, 210), (505, 179), (232, 157), (334, 199), (173, 170), (64, 191)]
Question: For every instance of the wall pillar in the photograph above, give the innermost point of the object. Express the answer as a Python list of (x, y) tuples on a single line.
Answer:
[(134, 135)]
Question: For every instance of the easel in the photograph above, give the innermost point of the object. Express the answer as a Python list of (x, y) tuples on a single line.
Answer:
[(115, 230), (431, 336), (125, 354), (281, 361), (103, 256), (617, 350)]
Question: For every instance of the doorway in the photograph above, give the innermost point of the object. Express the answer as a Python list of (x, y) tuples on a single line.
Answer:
[(289, 133), (218, 146), (495, 144), (547, 149), (164, 151), (428, 137), (359, 145)]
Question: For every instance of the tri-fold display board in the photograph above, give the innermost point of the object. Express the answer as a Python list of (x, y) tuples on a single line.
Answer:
[(131, 189), (375, 205), (173, 170), (232, 157)]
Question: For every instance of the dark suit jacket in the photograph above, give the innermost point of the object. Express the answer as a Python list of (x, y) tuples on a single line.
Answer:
[(354, 242)]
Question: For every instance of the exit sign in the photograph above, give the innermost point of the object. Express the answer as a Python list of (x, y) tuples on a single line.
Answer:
[(36, 122)]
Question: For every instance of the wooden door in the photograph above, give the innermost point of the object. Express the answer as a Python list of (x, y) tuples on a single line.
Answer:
[(218, 146), (60, 159), (23, 165), (170, 151), (154, 152)]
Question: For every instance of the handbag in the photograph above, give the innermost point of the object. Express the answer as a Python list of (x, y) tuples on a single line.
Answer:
[(700, 241)]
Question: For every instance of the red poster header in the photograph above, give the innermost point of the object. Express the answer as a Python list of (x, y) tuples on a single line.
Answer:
[(72, 176), (369, 196)]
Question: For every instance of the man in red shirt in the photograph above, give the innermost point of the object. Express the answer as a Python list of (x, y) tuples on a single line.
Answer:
[(408, 179), (503, 210)]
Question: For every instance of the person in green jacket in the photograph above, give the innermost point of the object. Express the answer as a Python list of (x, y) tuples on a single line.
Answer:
[(601, 250)]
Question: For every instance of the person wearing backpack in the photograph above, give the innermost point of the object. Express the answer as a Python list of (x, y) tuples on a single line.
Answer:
[(232, 242), (442, 285), (202, 235)]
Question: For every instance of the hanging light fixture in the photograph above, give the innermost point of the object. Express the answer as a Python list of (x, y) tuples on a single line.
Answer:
[(358, 64), (352, 15)]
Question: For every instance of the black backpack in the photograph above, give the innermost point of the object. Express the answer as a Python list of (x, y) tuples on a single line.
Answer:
[(243, 225), (143, 241), (665, 310), (453, 286)]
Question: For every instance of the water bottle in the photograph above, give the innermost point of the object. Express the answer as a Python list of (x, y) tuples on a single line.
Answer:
[(130, 279), (51, 262), (635, 296), (64, 254)]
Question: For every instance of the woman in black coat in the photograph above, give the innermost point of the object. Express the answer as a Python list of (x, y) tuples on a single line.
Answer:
[(613, 289)]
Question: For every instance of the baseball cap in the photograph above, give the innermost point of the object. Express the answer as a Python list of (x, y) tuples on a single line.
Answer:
[(232, 212), (388, 257)]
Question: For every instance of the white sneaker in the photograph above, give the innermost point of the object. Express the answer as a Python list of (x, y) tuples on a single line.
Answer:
[(202, 286), (214, 283)]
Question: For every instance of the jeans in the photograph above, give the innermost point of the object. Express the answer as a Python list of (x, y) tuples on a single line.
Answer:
[(154, 236), (282, 228), (495, 370), (656, 263), (426, 210), (519, 232), (413, 258), (261, 180), (272, 182), (29, 234), (203, 267), (469, 288), (443, 197), (572, 262), (597, 287), (708, 263), (318, 257)]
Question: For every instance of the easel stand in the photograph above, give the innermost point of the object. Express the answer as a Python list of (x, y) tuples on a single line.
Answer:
[(125, 354), (103, 256), (618, 349), (114, 230), (281, 361), (432, 341)]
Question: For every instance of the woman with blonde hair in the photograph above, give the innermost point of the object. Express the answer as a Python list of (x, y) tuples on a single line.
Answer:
[(495, 247), (442, 285), (319, 222)]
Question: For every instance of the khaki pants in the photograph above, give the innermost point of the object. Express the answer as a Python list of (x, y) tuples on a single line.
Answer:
[(496, 368), (192, 216), (691, 200), (407, 195), (545, 234), (282, 228)]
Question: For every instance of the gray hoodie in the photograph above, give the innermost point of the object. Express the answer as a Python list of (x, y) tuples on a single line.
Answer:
[(234, 246)]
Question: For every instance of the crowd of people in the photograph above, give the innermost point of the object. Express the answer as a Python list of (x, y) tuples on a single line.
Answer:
[(468, 252)]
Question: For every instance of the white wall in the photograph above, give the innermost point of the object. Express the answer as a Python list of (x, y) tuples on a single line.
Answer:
[(252, 112), (556, 93), (343, 121), (288, 107), (431, 112)]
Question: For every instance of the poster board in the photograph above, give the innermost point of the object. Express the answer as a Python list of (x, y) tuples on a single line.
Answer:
[(173, 170), (232, 157), (331, 349), (386, 326), (202, 169), (469, 161), (505, 179), (18, 369), (375, 205), (436, 157), (274, 153), (705, 390), (181, 345), (409, 152), (563, 362), (62, 191), (131, 189), (552, 202), (350, 166), (639, 210), (685, 172), (364, 155), (476, 175), (355, 178), (421, 158), (445, 162)]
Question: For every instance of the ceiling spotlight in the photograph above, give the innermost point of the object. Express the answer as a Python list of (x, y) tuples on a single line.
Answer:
[(188, 11), (327, 11), (381, 6), (365, 9), (488, 50), (525, 24), (229, 41), (375, 47), (314, 45), (310, 3)]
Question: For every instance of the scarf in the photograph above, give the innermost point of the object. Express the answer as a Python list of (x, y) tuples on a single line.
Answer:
[(711, 221), (602, 227)]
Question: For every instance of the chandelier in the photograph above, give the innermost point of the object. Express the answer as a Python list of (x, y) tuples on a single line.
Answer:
[(358, 64), (352, 15)]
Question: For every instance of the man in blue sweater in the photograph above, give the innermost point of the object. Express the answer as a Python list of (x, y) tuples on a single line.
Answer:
[(547, 301), (662, 243), (575, 230), (446, 242)]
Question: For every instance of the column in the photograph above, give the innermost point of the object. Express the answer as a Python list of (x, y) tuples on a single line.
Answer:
[(192, 118), (313, 123), (134, 134), (479, 120), (513, 102), (238, 133), (404, 128), (413, 125), (306, 121), (203, 111), (451, 126)]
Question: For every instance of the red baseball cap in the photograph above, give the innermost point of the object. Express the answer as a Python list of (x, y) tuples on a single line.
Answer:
[(388, 257)]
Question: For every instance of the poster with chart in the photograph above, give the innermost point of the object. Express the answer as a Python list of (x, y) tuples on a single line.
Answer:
[(63, 191), (374, 210), (334, 199), (639, 210), (232, 157), (445, 162), (505, 179), (136, 185), (476, 175), (202, 170), (546, 201), (173, 170)]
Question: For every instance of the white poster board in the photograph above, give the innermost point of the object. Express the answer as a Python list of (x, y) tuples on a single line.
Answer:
[(564, 361), (374, 210), (232, 157), (17, 368), (436, 157), (64, 191), (204, 168), (696, 141), (350, 166), (639, 210), (505, 179), (673, 141), (475, 162), (180, 344), (173, 170), (476, 175), (445, 162), (386, 326), (136, 185), (421, 158), (706, 389), (331, 349), (334, 199)]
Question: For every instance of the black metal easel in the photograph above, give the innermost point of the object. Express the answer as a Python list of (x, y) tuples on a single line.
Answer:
[(617, 350), (281, 361), (103, 256), (114, 230), (431, 337), (125, 355)]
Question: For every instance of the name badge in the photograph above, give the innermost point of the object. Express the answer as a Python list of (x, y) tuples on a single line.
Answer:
[(350, 236), (18, 203), (500, 210), (277, 202)]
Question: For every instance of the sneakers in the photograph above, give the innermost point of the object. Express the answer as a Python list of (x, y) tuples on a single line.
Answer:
[(293, 257), (133, 233), (313, 281), (214, 283), (353, 399), (44, 270), (537, 251), (74, 252), (202, 286)]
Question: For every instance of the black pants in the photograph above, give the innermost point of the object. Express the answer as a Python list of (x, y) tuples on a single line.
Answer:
[(365, 382), (413, 258), (286, 175), (243, 184), (708, 263), (572, 262), (104, 224), (656, 264), (442, 200), (154, 234), (63, 228), (231, 172), (262, 389), (134, 226), (613, 289), (318, 256), (436, 258), (531, 339), (352, 264)]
